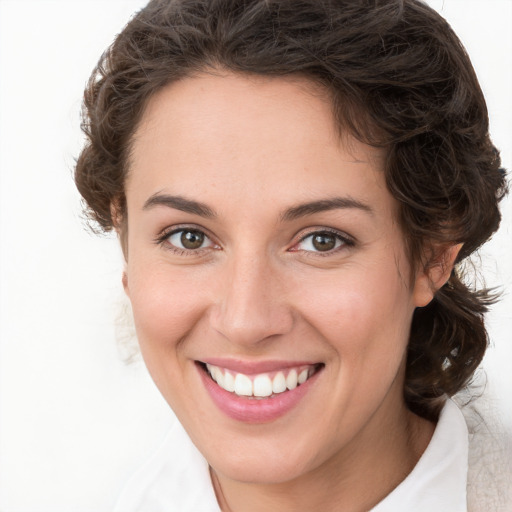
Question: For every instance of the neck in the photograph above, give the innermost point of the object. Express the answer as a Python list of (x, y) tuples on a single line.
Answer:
[(354, 479)]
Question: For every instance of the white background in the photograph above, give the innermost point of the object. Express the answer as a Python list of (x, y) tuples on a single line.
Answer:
[(74, 419)]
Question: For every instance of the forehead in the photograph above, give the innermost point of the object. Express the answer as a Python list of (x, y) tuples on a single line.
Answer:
[(275, 136)]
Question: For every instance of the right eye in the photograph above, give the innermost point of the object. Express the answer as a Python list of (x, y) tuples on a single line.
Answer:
[(189, 239)]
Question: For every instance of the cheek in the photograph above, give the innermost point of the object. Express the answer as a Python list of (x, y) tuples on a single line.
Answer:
[(365, 312), (165, 306), (166, 309)]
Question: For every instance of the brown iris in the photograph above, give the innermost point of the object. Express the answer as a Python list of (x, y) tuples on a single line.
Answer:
[(324, 242), (192, 239)]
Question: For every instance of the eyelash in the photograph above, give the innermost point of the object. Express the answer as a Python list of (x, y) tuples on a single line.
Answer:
[(346, 242), (163, 238)]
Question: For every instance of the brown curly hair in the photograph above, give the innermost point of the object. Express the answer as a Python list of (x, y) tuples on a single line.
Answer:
[(398, 78)]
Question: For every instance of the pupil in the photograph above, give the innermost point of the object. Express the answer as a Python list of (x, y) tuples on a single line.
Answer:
[(324, 242), (192, 239)]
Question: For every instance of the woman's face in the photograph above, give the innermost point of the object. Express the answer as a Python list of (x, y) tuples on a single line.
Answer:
[(263, 246)]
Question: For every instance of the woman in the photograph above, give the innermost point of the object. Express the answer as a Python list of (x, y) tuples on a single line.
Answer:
[(293, 184)]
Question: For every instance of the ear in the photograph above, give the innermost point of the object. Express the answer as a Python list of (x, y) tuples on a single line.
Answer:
[(116, 214), (435, 274), (124, 280), (120, 226)]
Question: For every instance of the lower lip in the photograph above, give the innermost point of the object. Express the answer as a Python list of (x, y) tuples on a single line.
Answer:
[(252, 410)]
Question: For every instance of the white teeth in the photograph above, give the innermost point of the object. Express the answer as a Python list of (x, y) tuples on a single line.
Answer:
[(214, 372), (243, 385), (220, 377), (279, 383), (262, 385), (229, 382), (291, 380), (303, 377)]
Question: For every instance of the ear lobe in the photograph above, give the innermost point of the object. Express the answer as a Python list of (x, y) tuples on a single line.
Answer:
[(435, 275)]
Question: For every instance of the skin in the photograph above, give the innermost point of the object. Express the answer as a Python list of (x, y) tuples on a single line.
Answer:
[(251, 148)]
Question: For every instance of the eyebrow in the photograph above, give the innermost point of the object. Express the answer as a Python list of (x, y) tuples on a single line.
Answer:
[(293, 213), (179, 203), (324, 205)]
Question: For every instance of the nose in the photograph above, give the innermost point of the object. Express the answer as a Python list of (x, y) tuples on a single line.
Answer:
[(251, 306)]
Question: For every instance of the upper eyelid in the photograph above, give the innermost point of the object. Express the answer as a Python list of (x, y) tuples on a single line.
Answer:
[(303, 234), (169, 230)]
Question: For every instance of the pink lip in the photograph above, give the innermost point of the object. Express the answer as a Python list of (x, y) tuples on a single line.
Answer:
[(255, 367), (251, 410)]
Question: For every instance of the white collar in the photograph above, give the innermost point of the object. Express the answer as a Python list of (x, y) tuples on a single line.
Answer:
[(439, 479), (177, 476)]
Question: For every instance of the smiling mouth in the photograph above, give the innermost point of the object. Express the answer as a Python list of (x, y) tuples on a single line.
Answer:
[(262, 385)]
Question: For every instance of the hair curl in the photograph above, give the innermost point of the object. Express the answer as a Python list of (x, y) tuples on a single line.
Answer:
[(398, 78)]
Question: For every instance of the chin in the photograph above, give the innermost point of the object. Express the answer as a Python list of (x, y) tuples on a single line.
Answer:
[(261, 461), (259, 470)]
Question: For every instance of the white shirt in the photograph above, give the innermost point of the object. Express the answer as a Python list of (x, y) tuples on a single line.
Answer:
[(177, 478)]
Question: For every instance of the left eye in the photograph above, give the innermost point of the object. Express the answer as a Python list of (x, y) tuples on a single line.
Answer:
[(189, 239), (323, 241)]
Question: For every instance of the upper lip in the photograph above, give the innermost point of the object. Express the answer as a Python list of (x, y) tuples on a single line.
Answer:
[(255, 367)]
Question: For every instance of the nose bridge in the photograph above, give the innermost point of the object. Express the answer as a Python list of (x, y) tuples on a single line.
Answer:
[(252, 304)]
